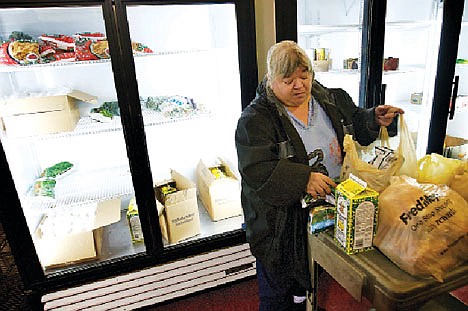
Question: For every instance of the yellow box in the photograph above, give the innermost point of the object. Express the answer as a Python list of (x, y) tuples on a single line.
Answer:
[(221, 197), (31, 116), (180, 219), (356, 215)]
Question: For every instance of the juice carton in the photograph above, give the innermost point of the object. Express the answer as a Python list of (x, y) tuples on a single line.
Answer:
[(356, 215)]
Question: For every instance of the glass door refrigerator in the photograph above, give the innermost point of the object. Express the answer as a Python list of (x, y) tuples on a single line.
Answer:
[(384, 52), (118, 165)]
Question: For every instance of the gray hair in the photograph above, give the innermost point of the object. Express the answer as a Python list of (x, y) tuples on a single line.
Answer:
[(284, 58)]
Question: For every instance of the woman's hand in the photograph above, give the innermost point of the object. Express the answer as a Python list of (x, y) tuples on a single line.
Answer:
[(319, 185), (384, 114)]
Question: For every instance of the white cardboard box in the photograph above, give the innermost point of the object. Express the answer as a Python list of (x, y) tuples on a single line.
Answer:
[(77, 246), (31, 116), (180, 219), (221, 197)]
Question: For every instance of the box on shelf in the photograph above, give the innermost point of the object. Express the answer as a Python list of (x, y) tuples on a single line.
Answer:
[(31, 116), (56, 250), (456, 147), (179, 219), (220, 196), (356, 215)]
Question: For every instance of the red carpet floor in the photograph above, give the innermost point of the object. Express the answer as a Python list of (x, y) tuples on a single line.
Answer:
[(242, 296)]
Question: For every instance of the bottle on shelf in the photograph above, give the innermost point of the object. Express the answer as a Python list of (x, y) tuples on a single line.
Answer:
[(133, 219)]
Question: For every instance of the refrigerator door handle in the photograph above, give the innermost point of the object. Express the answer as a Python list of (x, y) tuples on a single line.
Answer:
[(382, 94), (454, 98)]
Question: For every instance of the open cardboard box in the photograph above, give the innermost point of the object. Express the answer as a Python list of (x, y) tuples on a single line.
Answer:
[(179, 219), (31, 116), (221, 197), (456, 147), (78, 246)]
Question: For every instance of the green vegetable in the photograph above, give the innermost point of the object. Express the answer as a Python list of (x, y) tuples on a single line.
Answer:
[(57, 169), (45, 187), (19, 35), (108, 109)]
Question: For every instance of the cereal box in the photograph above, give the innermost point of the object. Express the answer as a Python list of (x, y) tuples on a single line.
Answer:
[(356, 215)]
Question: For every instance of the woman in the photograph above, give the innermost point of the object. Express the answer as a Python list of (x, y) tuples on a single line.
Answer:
[(289, 142)]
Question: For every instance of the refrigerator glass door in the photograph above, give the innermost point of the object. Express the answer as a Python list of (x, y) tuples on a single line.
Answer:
[(331, 34), (412, 33), (456, 142), (187, 70), (62, 135)]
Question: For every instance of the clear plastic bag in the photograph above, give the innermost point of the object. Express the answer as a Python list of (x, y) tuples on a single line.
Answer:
[(357, 158)]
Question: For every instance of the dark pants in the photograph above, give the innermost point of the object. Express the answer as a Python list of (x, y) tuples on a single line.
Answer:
[(277, 295)]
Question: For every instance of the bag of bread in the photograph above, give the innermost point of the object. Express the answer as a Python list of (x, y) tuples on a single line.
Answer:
[(422, 228)]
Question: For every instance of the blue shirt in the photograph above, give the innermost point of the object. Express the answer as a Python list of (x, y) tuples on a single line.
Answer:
[(320, 140)]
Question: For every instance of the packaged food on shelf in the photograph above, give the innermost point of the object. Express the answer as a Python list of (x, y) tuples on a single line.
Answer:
[(416, 98), (140, 48), (350, 63), (19, 52), (58, 42), (57, 170), (219, 190), (172, 106), (90, 49), (38, 115), (44, 187), (56, 48), (180, 217), (391, 63), (134, 224), (106, 112), (356, 215)]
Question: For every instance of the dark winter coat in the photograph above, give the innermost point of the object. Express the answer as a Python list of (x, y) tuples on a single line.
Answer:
[(275, 171)]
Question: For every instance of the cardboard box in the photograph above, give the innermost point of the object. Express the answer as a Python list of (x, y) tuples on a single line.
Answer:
[(179, 219), (356, 215), (31, 116), (69, 249), (78, 246), (220, 196)]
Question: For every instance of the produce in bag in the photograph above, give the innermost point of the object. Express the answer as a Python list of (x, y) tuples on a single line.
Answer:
[(422, 228), (57, 169), (436, 169), (44, 187)]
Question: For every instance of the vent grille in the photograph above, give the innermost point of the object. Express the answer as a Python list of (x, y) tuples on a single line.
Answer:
[(157, 284)]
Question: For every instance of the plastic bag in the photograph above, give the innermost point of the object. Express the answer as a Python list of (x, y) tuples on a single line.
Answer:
[(436, 169), (422, 228), (378, 179), (459, 183), (410, 162)]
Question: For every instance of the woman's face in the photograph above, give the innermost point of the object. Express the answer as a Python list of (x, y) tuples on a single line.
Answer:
[(295, 90)]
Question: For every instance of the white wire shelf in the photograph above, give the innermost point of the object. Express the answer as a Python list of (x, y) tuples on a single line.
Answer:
[(316, 30), (80, 188), (80, 64), (88, 126)]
